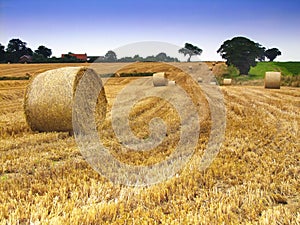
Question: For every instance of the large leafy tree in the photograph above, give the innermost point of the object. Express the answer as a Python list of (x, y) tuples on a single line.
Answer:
[(16, 48), (44, 51), (190, 50), (241, 53), (110, 56), (272, 53)]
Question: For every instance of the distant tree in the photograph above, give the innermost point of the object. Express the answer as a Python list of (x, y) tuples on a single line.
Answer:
[(17, 48), (150, 58), (190, 50), (110, 56), (126, 59), (137, 58), (38, 58), (272, 53), (162, 57), (2, 53), (241, 52), (42, 50)]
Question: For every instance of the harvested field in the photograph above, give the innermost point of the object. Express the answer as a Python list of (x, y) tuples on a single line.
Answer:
[(255, 178)]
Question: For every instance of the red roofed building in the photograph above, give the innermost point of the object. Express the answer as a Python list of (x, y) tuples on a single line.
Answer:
[(82, 57)]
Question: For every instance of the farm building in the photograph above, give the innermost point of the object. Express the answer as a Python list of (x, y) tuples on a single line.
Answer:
[(82, 57)]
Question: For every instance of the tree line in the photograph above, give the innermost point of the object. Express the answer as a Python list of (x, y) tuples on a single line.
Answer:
[(111, 56), (16, 49), (240, 52)]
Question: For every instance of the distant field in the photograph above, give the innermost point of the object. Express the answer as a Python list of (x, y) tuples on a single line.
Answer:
[(20, 70), (286, 68), (290, 73)]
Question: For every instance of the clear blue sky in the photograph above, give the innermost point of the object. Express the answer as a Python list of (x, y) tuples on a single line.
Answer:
[(95, 26)]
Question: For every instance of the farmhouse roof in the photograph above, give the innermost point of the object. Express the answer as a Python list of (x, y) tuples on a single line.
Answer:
[(78, 56)]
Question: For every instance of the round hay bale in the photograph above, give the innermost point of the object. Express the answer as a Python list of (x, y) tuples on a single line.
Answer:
[(172, 83), (227, 81), (159, 79), (49, 97), (272, 80), (200, 80), (210, 68), (190, 67)]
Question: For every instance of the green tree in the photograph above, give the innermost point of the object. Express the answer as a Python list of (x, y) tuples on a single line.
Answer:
[(190, 50), (241, 52), (2, 53), (16, 48), (162, 57), (110, 56), (42, 50), (272, 53), (38, 58)]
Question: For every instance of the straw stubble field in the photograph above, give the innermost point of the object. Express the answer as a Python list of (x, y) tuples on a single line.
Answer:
[(253, 180)]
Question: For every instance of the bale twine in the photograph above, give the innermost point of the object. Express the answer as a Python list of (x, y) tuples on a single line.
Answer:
[(159, 79), (272, 80), (227, 81), (49, 99), (172, 83)]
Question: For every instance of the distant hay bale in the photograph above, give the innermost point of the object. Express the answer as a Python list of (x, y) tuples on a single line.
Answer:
[(49, 97), (210, 68), (159, 79), (172, 83), (200, 80), (190, 67), (227, 81), (272, 80)]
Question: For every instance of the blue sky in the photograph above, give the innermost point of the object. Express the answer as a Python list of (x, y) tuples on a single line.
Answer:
[(95, 26)]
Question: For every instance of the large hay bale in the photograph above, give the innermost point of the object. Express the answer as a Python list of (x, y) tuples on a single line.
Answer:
[(227, 81), (272, 80), (159, 79), (49, 99), (200, 80)]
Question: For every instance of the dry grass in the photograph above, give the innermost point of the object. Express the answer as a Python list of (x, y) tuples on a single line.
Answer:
[(254, 179)]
